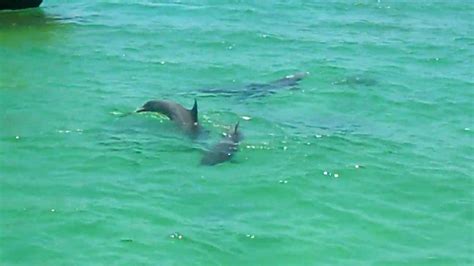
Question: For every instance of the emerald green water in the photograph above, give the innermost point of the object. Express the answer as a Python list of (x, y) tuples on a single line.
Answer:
[(368, 162)]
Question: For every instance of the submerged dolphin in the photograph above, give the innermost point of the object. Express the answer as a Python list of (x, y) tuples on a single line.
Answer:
[(225, 149), (356, 80), (186, 119), (260, 89)]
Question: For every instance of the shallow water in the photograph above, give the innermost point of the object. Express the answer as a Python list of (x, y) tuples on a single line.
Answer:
[(336, 172)]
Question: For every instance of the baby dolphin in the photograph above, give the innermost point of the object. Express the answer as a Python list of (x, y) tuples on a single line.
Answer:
[(225, 149), (186, 119)]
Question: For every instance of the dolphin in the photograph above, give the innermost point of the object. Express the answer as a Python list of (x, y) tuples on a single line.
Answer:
[(356, 80), (259, 89), (186, 119), (225, 149)]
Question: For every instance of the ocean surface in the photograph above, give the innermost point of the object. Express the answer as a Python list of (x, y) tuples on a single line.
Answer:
[(368, 161)]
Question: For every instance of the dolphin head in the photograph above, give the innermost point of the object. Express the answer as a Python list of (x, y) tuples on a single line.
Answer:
[(151, 106)]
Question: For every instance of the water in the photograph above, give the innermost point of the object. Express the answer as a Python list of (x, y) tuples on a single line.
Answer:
[(368, 162)]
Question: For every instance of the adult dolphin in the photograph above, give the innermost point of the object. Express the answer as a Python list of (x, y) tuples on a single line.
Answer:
[(186, 119), (225, 149), (259, 89)]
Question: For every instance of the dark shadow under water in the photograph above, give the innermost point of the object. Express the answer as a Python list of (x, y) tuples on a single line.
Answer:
[(34, 17)]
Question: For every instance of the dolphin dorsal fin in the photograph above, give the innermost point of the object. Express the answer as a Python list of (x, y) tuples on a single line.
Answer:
[(236, 127), (235, 135), (194, 112)]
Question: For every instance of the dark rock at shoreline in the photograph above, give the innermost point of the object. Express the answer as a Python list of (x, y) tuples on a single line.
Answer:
[(19, 4)]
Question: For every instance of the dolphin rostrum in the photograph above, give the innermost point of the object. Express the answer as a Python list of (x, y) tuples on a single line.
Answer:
[(225, 149), (186, 119)]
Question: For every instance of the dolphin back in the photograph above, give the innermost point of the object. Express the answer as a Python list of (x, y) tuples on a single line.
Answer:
[(290, 80), (186, 119)]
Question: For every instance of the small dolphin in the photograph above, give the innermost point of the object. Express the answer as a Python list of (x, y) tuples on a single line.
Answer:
[(260, 89), (356, 80), (186, 119), (225, 149)]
